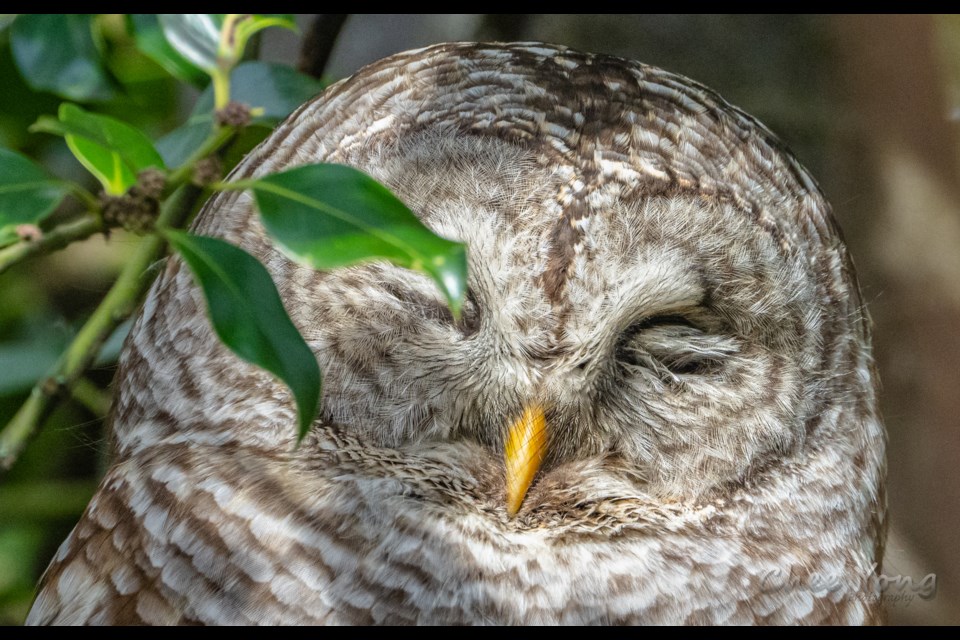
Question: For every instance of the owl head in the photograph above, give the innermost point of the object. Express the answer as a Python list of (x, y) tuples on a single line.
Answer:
[(662, 343), (648, 267)]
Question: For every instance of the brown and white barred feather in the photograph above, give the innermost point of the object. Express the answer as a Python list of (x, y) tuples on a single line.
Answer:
[(646, 261)]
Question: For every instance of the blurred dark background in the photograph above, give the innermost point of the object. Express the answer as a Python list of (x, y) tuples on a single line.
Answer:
[(870, 104)]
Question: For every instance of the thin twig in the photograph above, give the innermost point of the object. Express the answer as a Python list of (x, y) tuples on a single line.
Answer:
[(84, 196), (318, 43), (91, 396), (181, 197), (92, 223), (56, 238), (214, 142), (121, 301)]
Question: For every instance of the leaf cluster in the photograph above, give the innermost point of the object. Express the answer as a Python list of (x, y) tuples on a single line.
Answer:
[(321, 215)]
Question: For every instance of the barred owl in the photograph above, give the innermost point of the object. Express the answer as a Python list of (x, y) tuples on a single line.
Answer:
[(658, 291)]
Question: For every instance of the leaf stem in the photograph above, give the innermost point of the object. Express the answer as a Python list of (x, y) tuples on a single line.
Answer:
[(221, 87), (92, 397), (84, 196), (119, 303), (56, 238), (227, 56), (226, 48), (69, 232), (212, 144)]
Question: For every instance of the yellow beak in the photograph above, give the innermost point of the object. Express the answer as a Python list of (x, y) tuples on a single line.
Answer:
[(525, 449)]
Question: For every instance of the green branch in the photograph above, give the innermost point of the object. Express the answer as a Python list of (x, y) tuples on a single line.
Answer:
[(92, 397), (57, 238), (119, 303), (92, 223), (215, 142), (84, 196)]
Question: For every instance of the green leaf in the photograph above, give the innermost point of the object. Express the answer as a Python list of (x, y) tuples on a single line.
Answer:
[(277, 89), (195, 36), (57, 53), (152, 43), (330, 215), (110, 351), (176, 146), (251, 24), (32, 353), (27, 194), (246, 312), (28, 358), (6, 19), (111, 150)]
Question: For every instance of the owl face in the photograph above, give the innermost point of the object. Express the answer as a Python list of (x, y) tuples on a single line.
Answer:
[(676, 345)]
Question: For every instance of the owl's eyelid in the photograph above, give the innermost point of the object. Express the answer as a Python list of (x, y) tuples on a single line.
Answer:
[(665, 319), (673, 363), (472, 317)]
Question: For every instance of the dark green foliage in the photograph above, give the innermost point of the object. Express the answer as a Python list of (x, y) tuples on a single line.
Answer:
[(331, 215), (124, 70), (113, 151), (248, 316), (27, 194), (58, 53)]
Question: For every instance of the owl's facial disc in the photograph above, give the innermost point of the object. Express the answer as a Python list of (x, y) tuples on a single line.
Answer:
[(524, 451), (666, 355)]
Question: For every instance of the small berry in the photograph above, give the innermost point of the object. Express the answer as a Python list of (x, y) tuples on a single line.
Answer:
[(151, 182), (207, 171), (235, 114), (28, 232)]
